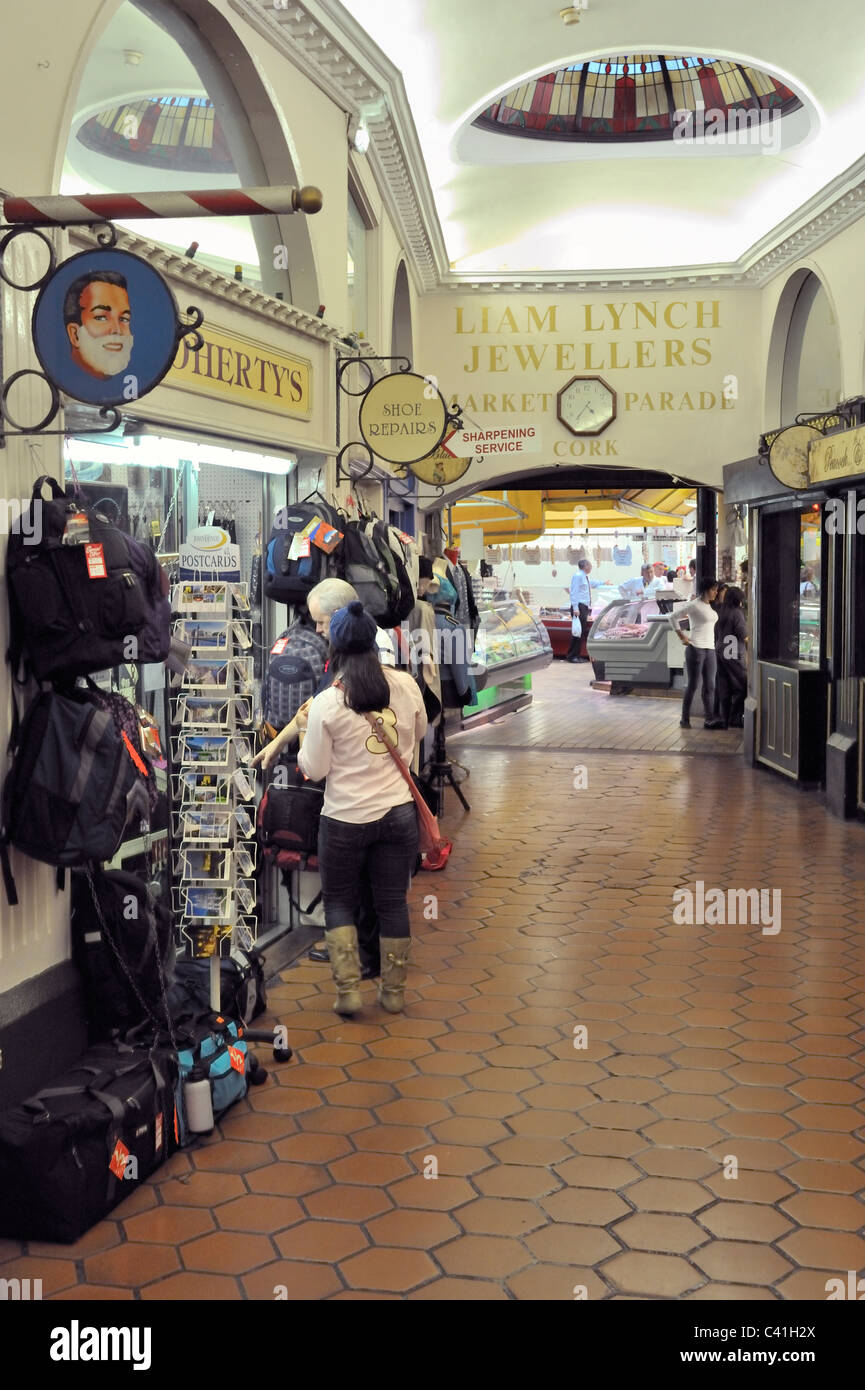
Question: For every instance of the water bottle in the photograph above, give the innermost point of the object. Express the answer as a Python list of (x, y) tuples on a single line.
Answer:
[(198, 1102)]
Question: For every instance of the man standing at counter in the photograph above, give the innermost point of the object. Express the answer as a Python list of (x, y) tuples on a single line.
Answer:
[(581, 603)]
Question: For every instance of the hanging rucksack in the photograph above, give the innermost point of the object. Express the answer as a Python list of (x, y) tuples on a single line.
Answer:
[(295, 670), (123, 947), (288, 580), (75, 606), (403, 596), (75, 785), (362, 566)]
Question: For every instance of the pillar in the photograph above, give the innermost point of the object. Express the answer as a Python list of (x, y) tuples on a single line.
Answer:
[(707, 549)]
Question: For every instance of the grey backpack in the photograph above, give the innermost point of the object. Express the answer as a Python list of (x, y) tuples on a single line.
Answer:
[(295, 670)]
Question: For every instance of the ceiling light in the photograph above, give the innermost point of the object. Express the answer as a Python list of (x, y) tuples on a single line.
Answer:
[(358, 135), (570, 14)]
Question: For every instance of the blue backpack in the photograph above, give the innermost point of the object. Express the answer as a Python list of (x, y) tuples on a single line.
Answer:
[(289, 581), (211, 1046)]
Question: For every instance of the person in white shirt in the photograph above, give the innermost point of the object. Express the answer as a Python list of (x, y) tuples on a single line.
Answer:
[(369, 818), (581, 605), (699, 644)]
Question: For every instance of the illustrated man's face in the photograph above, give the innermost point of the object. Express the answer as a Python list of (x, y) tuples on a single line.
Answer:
[(102, 341)]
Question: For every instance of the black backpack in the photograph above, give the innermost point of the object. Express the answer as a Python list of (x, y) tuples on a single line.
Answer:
[(123, 947), (295, 670), (73, 608), (403, 595), (368, 571), (289, 581), (75, 784)]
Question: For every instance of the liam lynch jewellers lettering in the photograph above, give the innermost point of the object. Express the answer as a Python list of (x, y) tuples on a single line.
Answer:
[(654, 334), (247, 372)]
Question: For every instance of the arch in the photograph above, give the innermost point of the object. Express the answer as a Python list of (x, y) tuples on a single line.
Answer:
[(401, 333), (812, 344), (258, 145)]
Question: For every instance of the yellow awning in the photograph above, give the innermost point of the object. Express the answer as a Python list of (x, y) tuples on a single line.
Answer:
[(520, 516)]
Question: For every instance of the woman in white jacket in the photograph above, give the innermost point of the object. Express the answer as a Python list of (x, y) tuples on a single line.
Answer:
[(369, 818), (699, 643)]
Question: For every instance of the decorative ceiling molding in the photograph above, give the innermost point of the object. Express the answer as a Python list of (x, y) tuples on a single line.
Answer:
[(323, 40), (320, 38)]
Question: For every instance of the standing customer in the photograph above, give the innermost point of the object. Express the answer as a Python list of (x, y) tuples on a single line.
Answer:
[(369, 819), (581, 604), (732, 679), (699, 645)]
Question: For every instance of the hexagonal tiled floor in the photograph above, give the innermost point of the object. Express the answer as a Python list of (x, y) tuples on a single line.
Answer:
[(583, 1090)]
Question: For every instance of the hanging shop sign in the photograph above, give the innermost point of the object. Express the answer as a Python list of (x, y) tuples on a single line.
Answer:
[(238, 369), (837, 456), (440, 467), (105, 327), (207, 553), (506, 439), (403, 418), (788, 454)]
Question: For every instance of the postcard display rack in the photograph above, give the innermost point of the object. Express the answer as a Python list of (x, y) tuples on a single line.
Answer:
[(214, 790)]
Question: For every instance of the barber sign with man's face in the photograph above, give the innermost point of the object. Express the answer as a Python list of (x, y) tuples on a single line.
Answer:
[(105, 327)]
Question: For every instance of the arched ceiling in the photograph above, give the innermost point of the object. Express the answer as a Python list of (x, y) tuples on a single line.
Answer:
[(527, 207)]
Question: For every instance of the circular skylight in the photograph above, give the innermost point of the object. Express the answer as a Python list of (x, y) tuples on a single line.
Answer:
[(169, 132), (639, 97)]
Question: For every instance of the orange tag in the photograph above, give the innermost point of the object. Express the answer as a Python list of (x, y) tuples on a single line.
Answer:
[(95, 556), (142, 768), (238, 1059), (279, 646), (176, 1134), (119, 1157)]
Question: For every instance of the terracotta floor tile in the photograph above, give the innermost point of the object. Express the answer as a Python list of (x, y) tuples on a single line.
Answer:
[(287, 1179), (336, 1119), (607, 1143), (530, 1149), (169, 1225), (483, 1256), (826, 1177), (458, 1291), (737, 1262), (422, 1230), (341, 1203), (514, 1180), (668, 1194), (821, 1209), (313, 1148), (835, 1251), (292, 1281), (571, 1245), (671, 1235), (587, 1171), (186, 1287), (60, 1274), (226, 1252), (130, 1265), (96, 1293), (731, 1293), (666, 1275), (396, 1270), (583, 1206), (262, 1214), (100, 1237), (501, 1216), (370, 1169), (745, 1221), (553, 1283), (489, 1104), (327, 1241), (431, 1194)]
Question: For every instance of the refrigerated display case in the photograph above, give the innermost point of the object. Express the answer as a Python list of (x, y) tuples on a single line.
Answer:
[(511, 644), (632, 643)]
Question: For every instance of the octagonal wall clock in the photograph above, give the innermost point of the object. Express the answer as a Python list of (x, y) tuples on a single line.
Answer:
[(586, 405)]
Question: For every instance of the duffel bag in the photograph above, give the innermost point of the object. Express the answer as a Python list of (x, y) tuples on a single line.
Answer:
[(211, 1046), (73, 1151), (243, 995)]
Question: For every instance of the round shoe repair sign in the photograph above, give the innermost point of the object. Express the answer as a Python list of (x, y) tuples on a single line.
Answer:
[(105, 327), (403, 417)]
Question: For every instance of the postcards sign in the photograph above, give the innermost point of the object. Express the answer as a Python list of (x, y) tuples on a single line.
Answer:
[(208, 553)]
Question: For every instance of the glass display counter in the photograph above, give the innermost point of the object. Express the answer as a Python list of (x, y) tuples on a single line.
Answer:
[(510, 645), (632, 643)]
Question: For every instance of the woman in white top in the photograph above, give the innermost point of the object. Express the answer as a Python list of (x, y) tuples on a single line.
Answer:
[(699, 644), (369, 818)]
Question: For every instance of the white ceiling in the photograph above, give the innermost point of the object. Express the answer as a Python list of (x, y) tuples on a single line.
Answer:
[(522, 209)]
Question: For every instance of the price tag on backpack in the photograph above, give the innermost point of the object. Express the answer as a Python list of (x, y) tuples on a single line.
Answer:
[(238, 1059), (279, 646), (95, 557)]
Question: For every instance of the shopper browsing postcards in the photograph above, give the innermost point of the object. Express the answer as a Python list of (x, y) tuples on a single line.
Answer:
[(369, 819)]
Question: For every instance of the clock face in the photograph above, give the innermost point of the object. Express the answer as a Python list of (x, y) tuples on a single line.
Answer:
[(586, 405)]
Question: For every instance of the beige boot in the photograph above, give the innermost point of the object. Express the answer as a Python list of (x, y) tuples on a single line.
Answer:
[(394, 955), (345, 968)]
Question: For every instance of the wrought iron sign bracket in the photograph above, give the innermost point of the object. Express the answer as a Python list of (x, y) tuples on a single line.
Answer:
[(187, 327)]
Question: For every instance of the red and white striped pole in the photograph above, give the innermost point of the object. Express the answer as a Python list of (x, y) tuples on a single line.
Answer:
[(55, 211)]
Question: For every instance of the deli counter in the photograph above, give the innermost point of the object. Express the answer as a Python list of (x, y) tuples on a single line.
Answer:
[(633, 643), (511, 643)]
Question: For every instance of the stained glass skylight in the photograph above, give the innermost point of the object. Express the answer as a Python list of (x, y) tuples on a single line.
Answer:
[(167, 132), (641, 96)]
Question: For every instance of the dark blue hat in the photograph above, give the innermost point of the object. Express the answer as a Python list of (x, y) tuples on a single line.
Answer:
[(352, 629)]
